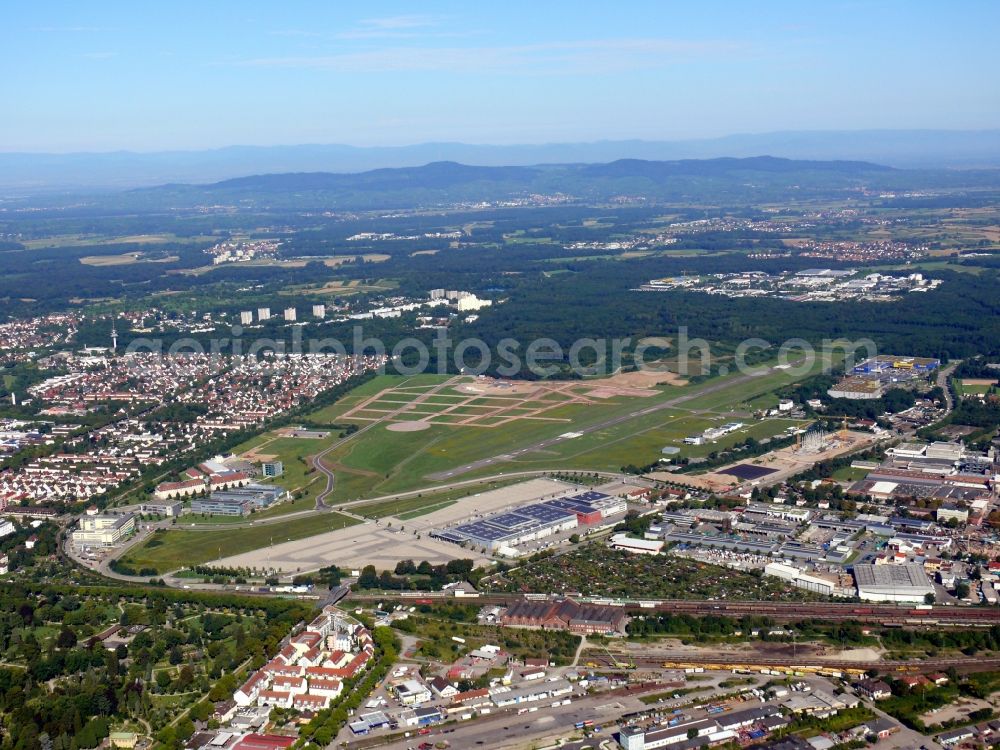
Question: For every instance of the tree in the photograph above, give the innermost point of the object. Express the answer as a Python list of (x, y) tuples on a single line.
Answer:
[(929, 597), (185, 728), (201, 711), (66, 638), (368, 578), (186, 677)]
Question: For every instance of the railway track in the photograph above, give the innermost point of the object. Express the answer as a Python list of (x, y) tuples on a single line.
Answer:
[(778, 611), (803, 664)]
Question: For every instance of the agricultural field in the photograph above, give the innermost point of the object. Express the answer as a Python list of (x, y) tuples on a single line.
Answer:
[(178, 548)]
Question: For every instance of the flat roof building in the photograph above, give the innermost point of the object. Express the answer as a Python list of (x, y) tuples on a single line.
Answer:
[(636, 546), (221, 506), (103, 530), (892, 583), (168, 508), (856, 388)]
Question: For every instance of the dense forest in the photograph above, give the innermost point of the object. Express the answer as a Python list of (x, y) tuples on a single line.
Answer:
[(553, 271)]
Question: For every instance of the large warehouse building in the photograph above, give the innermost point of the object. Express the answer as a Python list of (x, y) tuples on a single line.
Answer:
[(535, 521), (892, 583), (586, 619), (510, 529)]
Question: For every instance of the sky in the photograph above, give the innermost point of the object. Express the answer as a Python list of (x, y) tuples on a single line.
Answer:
[(151, 76)]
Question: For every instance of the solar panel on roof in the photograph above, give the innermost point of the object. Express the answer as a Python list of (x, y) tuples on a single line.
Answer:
[(546, 513), (509, 521), (483, 530), (573, 505), (590, 496)]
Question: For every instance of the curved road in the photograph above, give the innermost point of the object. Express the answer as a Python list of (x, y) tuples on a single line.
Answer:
[(316, 461)]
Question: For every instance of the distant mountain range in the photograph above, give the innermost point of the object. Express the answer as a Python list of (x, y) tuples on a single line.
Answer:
[(25, 172), (724, 180)]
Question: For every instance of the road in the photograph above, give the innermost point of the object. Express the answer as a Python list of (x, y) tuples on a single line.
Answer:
[(710, 387), (942, 382), (103, 566), (506, 729), (316, 461)]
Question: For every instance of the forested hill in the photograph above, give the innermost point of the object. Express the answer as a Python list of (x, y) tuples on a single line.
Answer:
[(438, 183)]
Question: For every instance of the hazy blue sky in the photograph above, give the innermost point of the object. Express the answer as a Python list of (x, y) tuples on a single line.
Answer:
[(161, 75)]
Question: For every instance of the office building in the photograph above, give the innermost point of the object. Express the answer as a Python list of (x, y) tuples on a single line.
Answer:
[(103, 530)]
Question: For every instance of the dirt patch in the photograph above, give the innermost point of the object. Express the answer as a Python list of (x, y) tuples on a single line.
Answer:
[(620, 391), (857, 654), (408, 426), (979, 381), (785, 462), (254, 456), (701, 482), (643, 379), (957, 711)]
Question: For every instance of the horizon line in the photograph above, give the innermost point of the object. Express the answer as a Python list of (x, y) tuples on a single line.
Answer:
[(520, 144)]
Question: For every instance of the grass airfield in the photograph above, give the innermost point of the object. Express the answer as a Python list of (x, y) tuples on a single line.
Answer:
[(378, 461), (459, 427)]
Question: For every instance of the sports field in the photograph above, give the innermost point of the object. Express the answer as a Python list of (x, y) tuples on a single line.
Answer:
[(974, 386)]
